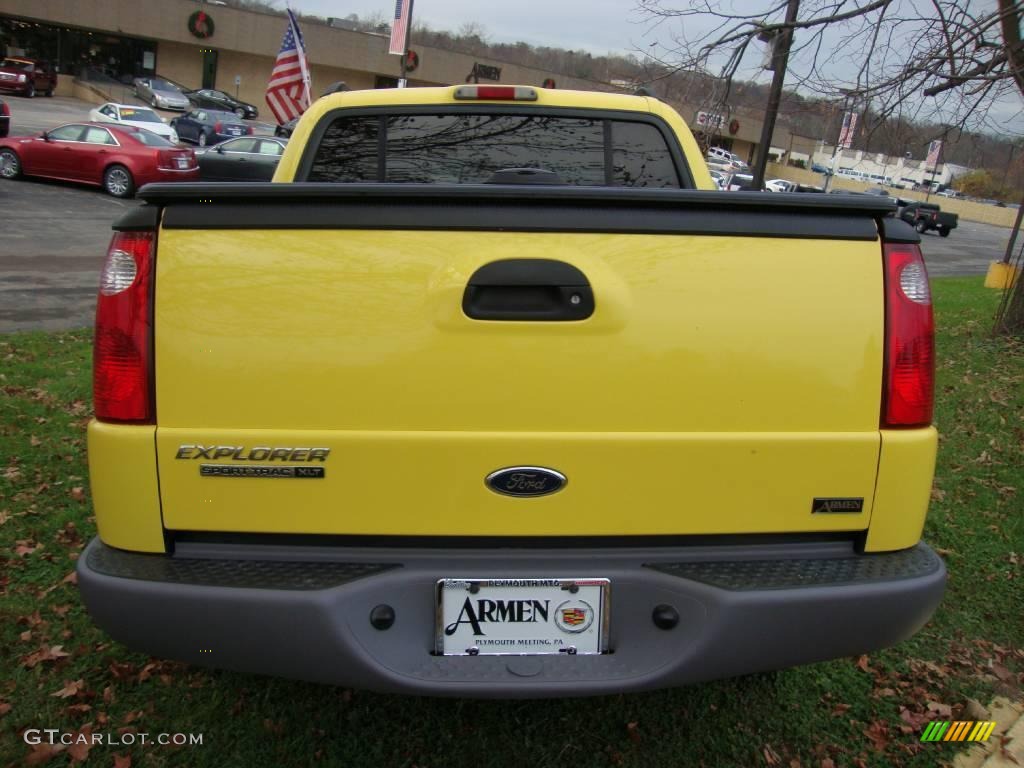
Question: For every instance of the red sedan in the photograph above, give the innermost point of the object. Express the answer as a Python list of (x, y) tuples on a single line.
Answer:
[(118, 158)]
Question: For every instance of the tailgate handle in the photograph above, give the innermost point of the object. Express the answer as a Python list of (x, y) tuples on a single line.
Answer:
[(528, 289)]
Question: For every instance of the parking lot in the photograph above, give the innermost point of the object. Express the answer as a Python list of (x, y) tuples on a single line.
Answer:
[(30, 116), (55, 236)]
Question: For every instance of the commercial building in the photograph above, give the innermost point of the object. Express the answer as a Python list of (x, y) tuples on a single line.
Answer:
[(879, 168), (207, 45)]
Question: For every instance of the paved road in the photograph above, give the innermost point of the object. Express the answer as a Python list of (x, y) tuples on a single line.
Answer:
[(967, 251), (54, 240)]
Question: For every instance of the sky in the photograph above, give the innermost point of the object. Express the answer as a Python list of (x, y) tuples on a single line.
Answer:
[(597, 26)]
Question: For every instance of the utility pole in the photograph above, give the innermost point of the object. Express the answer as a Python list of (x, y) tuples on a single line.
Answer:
[(780, 60)]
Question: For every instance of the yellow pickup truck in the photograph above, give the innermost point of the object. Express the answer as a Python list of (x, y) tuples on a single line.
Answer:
[(491, 393)]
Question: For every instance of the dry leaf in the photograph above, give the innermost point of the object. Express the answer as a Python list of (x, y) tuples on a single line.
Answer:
[(878, 733), (71, 688), (122, 761), (71, 578), (78, 493), (79, 749), (975, 710), (23, 547), (42, 753), (940, 710), (46, 653)]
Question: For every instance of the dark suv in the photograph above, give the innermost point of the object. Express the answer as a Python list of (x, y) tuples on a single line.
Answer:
[(27, 76)]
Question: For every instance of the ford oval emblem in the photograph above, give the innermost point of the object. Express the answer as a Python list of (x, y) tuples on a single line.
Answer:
[(525, 481)]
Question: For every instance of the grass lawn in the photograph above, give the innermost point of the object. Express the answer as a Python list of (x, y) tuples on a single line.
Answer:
[(58, 671)]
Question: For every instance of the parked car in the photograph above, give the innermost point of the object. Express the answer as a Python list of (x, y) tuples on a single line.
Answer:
[(927, 216), (244, 159), (119, 158), (129, 114), (161, 93), (816, 168), (741, 182), (27, 76), (724, 156), (211, 99), (5, 118), (611, 474), (205, 127), (286, 130), (719, 177), (780, 185)]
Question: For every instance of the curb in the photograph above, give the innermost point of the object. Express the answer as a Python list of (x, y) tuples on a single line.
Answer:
[(1009, 718)]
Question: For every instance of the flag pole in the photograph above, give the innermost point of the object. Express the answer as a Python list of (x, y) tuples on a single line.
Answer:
[(405, 54)]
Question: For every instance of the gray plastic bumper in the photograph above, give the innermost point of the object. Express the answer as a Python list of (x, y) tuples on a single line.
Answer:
[(304, 612)]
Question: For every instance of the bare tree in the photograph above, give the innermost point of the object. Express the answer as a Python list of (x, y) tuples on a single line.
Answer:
[(948, 61)]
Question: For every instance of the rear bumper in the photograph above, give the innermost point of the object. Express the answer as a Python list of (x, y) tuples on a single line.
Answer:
[(158, 175), (304, 612)]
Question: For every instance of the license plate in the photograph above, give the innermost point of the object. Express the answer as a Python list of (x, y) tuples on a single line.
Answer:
[(515, 616), (182, 162), (235, 131)]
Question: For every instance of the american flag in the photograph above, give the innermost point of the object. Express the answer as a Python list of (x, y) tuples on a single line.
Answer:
[(849, 128), (400, 27), (288, 89)]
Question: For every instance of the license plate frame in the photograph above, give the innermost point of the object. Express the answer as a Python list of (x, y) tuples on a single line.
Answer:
[(567, 616)]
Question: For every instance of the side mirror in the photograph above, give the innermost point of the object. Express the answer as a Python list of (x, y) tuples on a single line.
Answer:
[(220, 149), (45, 136)]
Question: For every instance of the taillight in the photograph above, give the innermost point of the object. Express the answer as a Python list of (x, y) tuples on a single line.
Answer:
[(909, 394), (163, 159), (218, 127), (249, 130), (122, 381), (495, 93), (5, 110)]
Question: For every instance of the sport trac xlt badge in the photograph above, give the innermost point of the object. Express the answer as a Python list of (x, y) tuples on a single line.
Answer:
[(239, 453)]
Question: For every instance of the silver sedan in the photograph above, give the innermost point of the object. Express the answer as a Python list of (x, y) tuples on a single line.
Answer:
[(160, 93)]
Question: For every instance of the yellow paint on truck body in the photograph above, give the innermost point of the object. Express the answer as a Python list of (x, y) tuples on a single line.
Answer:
[(123, 481), (720, 386), (705, 395)]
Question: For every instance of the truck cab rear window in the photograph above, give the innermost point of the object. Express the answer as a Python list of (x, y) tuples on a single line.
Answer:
[(467, 148)]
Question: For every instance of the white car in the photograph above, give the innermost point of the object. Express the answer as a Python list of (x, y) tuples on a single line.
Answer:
[(130, 114), (780, 185), (719, 156), (719, 178)]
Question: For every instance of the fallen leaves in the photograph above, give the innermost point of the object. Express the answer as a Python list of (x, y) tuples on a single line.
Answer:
[(43, 753), (78, 494), (878, 735), (46, 653), (771, 757), (71, 688), (25, 547)]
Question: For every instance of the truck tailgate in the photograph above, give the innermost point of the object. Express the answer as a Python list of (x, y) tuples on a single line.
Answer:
[(721, 385)]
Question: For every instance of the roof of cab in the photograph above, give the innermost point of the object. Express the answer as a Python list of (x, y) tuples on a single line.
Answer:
[(446, 94)]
